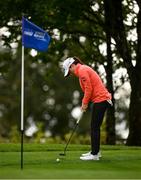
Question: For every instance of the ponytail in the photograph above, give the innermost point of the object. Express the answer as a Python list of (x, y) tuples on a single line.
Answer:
[(77, 60)]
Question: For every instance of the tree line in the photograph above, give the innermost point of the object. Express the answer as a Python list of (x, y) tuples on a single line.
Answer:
[(77, 27)]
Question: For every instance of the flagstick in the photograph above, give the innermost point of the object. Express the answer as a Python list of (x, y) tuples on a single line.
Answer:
[(22, 135), (22, 105)]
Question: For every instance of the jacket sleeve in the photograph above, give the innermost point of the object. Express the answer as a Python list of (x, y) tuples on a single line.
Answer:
[(87, 87)]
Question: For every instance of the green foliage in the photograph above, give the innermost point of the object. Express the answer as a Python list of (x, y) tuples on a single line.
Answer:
[(48, 96), (14, 136)]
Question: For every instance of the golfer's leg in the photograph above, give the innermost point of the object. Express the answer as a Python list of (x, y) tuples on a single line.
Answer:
[(96, 121)]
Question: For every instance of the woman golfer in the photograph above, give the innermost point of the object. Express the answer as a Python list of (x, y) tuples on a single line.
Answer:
[(95, 92)]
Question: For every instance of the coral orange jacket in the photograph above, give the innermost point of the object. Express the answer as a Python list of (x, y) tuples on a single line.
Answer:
[(91, 84)]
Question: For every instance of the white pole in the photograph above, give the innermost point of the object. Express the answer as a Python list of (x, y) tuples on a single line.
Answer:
[(22, 90), (22, 105)]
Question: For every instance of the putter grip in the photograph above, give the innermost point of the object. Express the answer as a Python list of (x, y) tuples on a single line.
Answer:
[(77, 122)]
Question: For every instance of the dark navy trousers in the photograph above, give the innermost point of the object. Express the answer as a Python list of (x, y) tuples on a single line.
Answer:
[(98, 111)]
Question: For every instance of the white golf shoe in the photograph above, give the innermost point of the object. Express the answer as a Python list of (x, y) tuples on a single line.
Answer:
[(90, 157), (89, 153)]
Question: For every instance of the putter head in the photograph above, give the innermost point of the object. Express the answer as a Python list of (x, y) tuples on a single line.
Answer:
[(62, 154)]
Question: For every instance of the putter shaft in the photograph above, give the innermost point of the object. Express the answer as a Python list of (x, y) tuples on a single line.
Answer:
[(77, 122)]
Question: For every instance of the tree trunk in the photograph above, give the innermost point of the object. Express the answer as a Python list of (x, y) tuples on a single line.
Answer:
[(134, 137), (118, 33), (110, 119)]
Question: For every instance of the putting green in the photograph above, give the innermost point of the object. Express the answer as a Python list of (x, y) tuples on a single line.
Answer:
[(117, 162)]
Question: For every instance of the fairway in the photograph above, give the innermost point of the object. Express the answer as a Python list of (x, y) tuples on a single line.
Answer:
[(117, 162)]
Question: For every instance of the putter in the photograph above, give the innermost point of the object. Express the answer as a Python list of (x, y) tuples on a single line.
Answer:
[(77, 122)]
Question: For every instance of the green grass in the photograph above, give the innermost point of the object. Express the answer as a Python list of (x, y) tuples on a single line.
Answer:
[(118, 162)]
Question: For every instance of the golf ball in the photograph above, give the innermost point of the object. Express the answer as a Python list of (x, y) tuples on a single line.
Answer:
[(57, 160)]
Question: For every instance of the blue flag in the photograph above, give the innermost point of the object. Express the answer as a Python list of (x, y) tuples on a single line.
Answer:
[(34, 37)]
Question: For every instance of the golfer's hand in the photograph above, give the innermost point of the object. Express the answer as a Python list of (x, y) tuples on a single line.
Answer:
[(84, 107)]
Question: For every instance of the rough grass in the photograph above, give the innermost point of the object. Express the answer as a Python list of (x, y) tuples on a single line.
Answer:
[(117, 162)]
